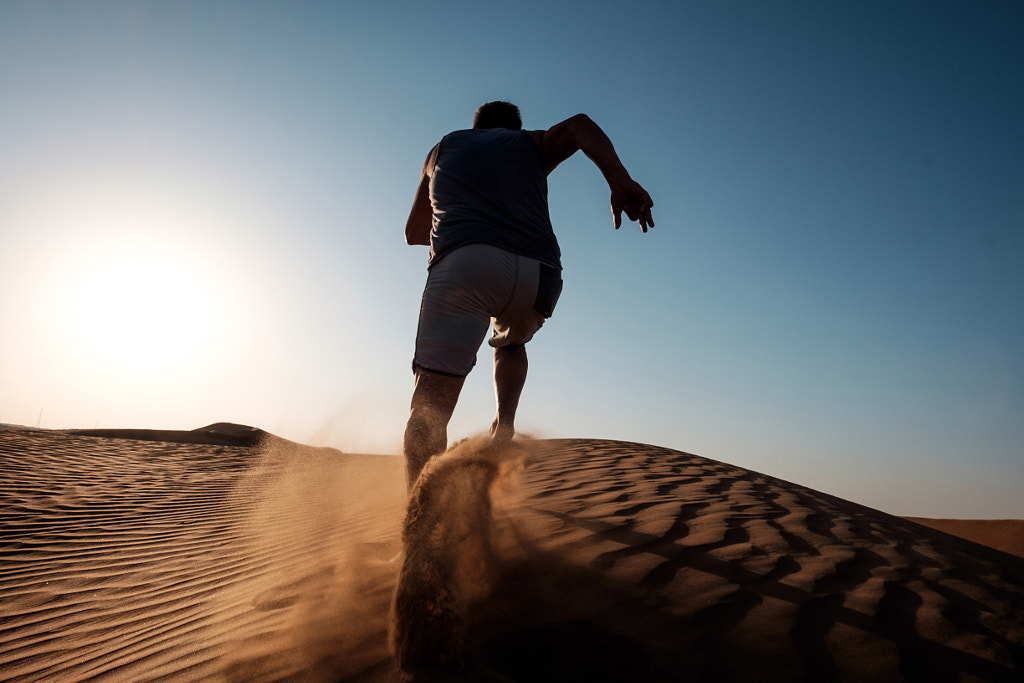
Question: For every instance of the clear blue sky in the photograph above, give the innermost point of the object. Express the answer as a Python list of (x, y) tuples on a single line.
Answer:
[(202, 205)]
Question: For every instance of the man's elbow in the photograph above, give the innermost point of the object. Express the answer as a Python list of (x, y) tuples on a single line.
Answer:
[(579, 132), (580, 122), (416, 237)]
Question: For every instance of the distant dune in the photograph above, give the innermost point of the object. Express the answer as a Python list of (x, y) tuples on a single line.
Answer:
[(218, 434), (137, 559), (1002, 534)]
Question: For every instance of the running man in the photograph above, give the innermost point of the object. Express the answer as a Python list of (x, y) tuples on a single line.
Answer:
[(482, 208)]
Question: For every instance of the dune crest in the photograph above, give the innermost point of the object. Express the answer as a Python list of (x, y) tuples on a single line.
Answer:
[(1006, 535), (550, 560)]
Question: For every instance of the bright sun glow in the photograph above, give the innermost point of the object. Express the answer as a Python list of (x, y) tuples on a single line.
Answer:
[(137, 311), (132, 294)]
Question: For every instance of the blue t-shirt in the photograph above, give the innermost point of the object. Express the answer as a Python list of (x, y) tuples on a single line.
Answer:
[(489, 186)]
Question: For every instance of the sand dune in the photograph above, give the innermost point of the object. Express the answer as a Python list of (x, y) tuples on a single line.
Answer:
[(217, 434), (135, 560), (1002, 534)]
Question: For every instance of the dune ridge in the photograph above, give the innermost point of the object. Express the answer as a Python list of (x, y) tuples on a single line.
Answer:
[(1006, 535), (217, 434), (768, 580), (133, 560)]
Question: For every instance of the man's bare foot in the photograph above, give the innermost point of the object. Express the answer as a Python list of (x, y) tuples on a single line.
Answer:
[(501, 433)]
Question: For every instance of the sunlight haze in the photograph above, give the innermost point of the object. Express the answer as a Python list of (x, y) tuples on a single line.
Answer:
[(202, 208)]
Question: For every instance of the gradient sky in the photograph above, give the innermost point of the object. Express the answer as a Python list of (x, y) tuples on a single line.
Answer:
[(202, 209)]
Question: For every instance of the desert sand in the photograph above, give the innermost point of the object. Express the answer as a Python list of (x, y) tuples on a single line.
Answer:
[(256, 559), (1002, 534)]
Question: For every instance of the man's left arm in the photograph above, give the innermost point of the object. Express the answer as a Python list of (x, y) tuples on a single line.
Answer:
[(421, 217)]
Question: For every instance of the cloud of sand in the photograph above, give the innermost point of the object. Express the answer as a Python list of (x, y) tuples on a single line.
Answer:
[(318, 580), (330, 565), (365, 422), (455, 539)]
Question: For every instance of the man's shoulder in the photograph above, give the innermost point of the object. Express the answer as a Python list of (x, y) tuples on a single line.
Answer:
[(464, 132), (487, 133), (457, 137), (504, 138)]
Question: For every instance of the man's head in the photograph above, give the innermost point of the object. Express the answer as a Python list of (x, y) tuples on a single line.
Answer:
[(499, 114)]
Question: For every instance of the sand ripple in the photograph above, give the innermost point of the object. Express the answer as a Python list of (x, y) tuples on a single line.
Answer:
[(136, 560), (561, 560)]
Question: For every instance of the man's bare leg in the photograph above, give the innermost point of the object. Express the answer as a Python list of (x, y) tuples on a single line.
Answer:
[(426, 432), (510, 367)]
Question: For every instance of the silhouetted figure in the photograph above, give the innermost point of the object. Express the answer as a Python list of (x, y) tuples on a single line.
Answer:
[(482, 208)]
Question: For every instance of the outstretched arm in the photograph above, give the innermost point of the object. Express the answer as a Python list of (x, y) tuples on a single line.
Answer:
[(579, 132)]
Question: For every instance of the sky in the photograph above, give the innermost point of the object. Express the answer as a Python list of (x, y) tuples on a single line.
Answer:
[(202, 208)]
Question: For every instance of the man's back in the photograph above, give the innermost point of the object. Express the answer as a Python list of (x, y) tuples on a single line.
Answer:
[(490, 187)]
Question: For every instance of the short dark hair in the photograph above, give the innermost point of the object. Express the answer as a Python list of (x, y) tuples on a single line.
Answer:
[(499, 114)]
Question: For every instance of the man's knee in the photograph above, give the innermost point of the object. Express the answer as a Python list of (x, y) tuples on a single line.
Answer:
[(418, 369), (437, 392), (510, 354)]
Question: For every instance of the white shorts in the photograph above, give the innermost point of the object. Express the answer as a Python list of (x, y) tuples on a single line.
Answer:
[(471, 288)]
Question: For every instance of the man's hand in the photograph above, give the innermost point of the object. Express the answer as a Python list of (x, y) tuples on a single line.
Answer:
[(630, 197)]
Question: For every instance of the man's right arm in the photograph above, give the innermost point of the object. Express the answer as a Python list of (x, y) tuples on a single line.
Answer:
[(580, 133), (421, 216)]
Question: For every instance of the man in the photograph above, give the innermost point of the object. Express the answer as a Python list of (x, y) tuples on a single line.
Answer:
[(481, 207)]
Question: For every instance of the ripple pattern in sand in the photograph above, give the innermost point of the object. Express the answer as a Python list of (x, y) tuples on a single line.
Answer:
[(767, 578), (140, 561), (134, 560)]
